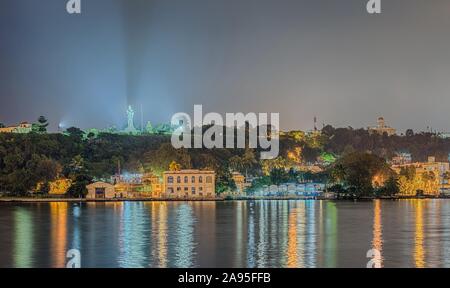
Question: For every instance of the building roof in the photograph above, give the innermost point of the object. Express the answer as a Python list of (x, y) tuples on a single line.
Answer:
[(190, 171), (100, 184)]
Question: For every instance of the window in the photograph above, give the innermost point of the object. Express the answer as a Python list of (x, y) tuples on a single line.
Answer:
[(193, 179), (170, 189), (186, 189), (178, 179), (186, 179), (200, 188), (209, 179), (170, 179), (178, 188), (193, 190), (200, 179), (100, 193)]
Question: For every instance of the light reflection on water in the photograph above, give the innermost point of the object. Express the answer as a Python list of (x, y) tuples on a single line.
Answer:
[(410, 233)]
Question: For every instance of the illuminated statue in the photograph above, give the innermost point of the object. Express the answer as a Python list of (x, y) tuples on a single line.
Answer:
[(130, 115)]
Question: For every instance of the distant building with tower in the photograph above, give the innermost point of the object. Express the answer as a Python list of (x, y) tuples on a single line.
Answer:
[(22, 128), (382, 128)]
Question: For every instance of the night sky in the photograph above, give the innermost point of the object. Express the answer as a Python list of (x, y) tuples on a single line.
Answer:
[(300, 58)]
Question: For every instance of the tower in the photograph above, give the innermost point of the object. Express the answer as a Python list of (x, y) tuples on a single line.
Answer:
[(381, 123)]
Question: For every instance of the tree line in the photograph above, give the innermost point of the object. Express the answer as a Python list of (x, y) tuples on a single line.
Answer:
[(349, 159)]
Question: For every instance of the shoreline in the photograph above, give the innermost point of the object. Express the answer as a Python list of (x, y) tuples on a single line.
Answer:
[(84, 200)]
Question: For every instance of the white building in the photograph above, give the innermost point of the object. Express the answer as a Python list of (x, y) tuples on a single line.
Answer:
[(382, 128), (22, 128)]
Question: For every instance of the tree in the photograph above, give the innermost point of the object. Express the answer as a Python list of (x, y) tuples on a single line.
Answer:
[(75, 133), (159, 160), (391, 187), (258, 184), (356, 171), (78, 188), (278, 176), (41, 126), (328, 130), (337, 188), (224, 181), (409, 133), (44, 188), (2, 125), (174, 166), (277, 163), (236, 164), (149, 128), (76, 166), (244, 163)]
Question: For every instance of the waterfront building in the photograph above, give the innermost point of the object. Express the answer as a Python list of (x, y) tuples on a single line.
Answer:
[(241, 183), (152, 186), (22, 128), (306, 190), (435, 185), (382, 128), (189, 184), (145, 185), (101, 190), (439, 168)]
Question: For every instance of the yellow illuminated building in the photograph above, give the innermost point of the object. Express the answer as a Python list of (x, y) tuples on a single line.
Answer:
[(189, 184), (152, 186), (428, 177)]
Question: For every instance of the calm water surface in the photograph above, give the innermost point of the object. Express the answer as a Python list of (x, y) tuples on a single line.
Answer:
[(409, 233)]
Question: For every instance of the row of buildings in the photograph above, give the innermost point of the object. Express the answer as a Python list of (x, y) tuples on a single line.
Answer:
[(304, 190), (183, 184), (431, 177)]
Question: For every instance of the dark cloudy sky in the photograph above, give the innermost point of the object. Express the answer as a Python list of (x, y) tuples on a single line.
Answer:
[(298, 57)]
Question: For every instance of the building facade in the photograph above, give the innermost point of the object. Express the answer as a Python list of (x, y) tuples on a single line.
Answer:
[(152, 186), (189, 184), (240, 182), (432, 177), (402, 159), (101, 191), (382, 128)]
